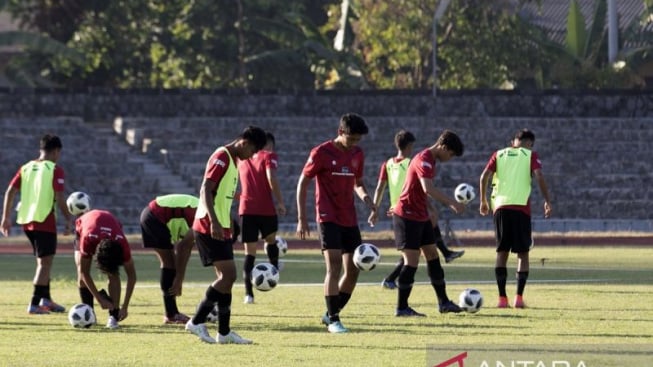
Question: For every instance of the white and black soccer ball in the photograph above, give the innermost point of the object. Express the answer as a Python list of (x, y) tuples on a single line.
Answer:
[(78, 203), (464, 193), (366, 256), (81, 315), (470, 300), (265, 277), (281, 244), (212, 317)]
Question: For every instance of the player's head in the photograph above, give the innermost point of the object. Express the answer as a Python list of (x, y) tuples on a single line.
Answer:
[(109, 256), (452, 143), (253, 139), (50, 147), (351, 129), (524, 138), (403, 139)]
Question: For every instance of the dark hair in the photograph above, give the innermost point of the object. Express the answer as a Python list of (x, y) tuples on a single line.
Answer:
[(403, 138), (270, 138), (525, 134), (255, 135), (109, 256), (451, 141), (50, 142), (351, 123)]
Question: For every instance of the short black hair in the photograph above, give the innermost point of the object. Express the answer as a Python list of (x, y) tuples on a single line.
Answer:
[(525, 134), (109, 256), (451, 141), (50, 143), (269, 137), (255, 135), (403, 138), (351, 123)]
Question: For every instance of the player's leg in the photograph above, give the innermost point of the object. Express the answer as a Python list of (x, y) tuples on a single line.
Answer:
[(114, 294), (436, 275), (389, 282), (249, 236), (448, 254), (269, 228), (331, 240), (504, 244), (522, 247), (44, 245), (351, 238), (407, 241), (167, 274)]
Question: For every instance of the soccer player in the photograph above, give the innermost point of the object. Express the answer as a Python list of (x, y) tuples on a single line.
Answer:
[(165, 227), (212, 230), (337, 166), (100, 232), (40, 183), (259, 191), (393, 174), (413, 228), (512, 169)]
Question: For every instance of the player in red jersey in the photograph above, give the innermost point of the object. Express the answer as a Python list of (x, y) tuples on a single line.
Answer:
[(98, 231), (337, 166), (259, 191), (412, 225), (40, 183), (212, 230)]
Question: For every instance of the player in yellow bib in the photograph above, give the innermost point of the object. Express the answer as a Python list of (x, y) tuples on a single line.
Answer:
[(512, 170), (393, 174)]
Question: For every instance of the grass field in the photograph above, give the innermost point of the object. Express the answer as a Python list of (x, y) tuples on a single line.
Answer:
[(579, 296)]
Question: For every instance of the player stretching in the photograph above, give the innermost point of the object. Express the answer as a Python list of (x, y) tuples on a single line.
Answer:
[(512, 169), (337, 166), (259, 191), (413, 228), (165, 227), (212, 230)]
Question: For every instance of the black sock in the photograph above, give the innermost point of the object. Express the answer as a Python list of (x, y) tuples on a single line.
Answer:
[(39, 292), (522, 277), (248, 265), (273, 253), (169, 302), (395, 272), (47, 291), (224, 313), (206, 305), (439, 242), (436, 274), (333, 307), (344, 298), (405, 285), (86, 296), (501, 274), (115, 313)]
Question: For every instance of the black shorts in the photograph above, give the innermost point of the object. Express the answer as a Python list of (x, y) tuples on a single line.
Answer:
[(336, 237), (155, 233), (412, 234), (212, 250), (43, 243), (252, 225), (512, 230)]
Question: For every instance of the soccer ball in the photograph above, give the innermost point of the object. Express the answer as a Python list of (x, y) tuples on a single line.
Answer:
[(464, 193), (366, 256), (81, 315), (265, 277), (281, 244), (213, 315), (470, 300), (78, 203)]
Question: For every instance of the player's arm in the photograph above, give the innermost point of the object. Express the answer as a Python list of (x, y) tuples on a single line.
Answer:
[(276, 190), (8, 202), (183, 248), (378, 192), (483, 184), (130, 270), (84, 271), (432, 191), (206, 198), (539, 177), (61, 203), (302, 223), (361, 191)]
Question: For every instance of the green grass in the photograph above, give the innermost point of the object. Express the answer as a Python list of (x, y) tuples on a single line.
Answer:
[(586, 296)]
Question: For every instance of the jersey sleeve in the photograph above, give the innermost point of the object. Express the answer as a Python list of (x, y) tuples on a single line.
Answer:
[(58, 179), (492, 163), (383, 172), (312, 166), (217, 166)]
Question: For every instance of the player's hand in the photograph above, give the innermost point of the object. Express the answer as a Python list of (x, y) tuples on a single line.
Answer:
[(281, 209), (484, 209), (303, 230), (6, 225), (217, 232), (547, 209), (457, 207), (372, 219), (123, 314)]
